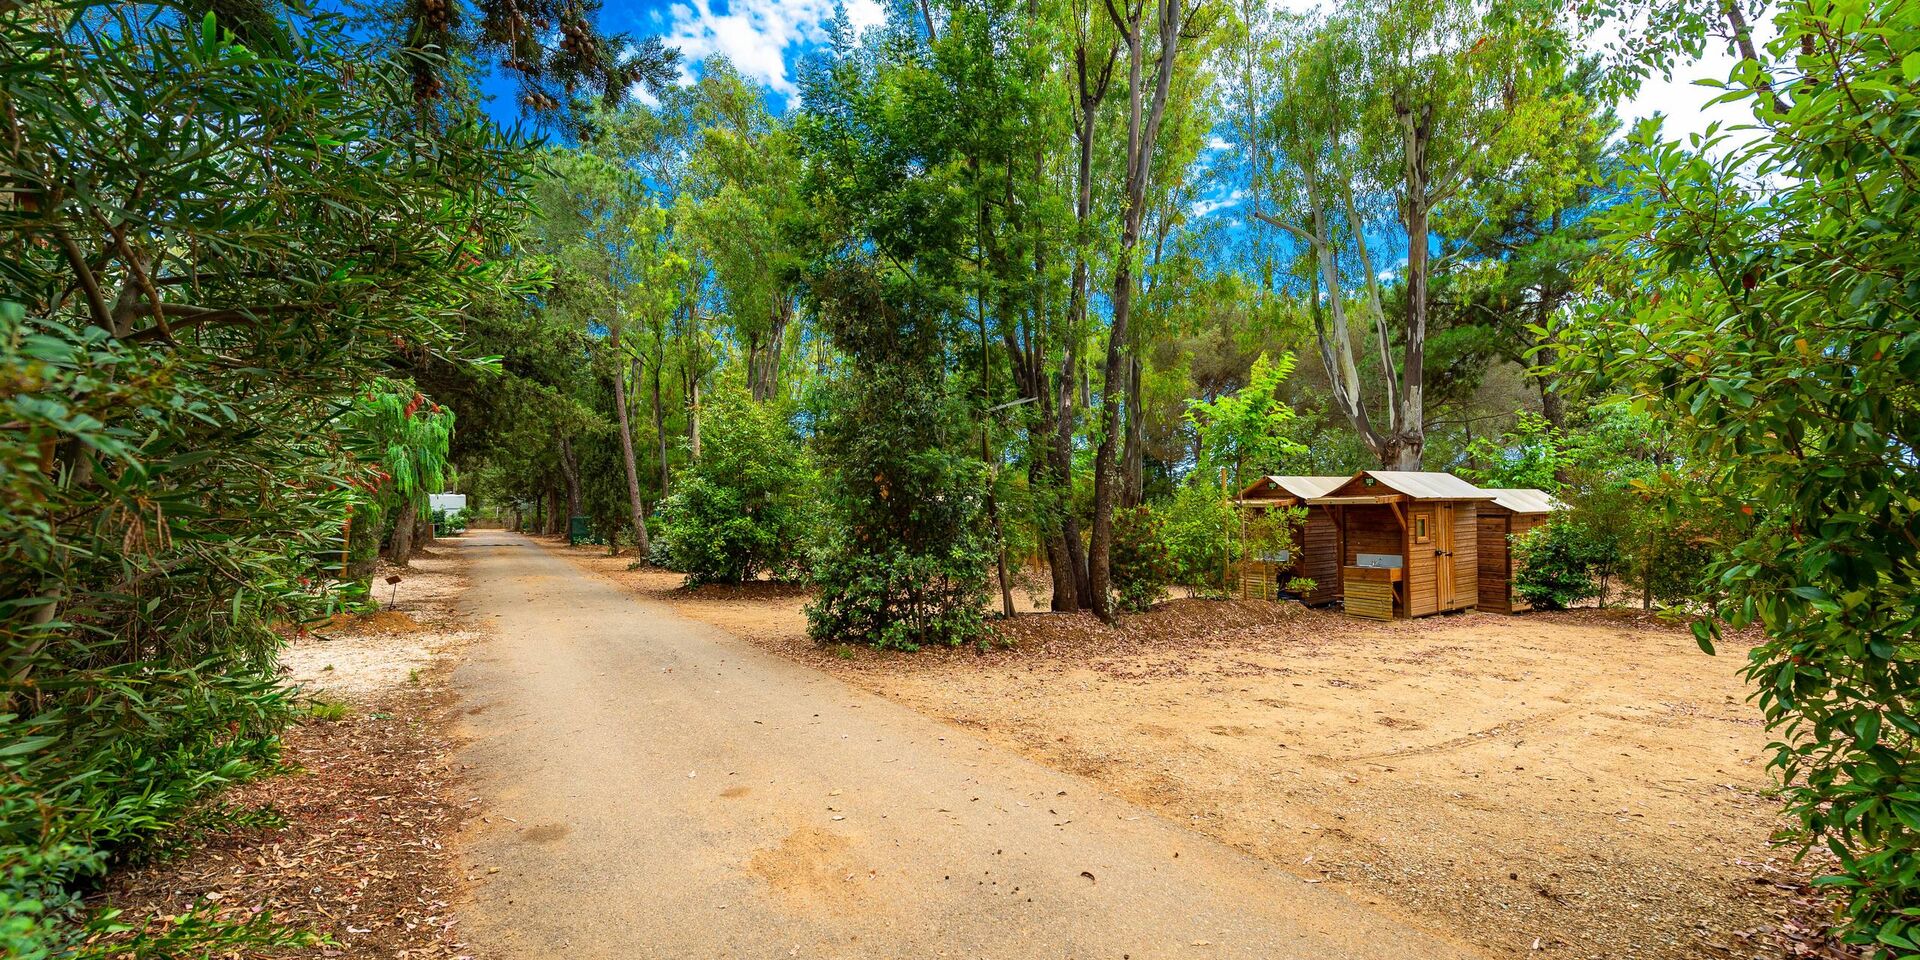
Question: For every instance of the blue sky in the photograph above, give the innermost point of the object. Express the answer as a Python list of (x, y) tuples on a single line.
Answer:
[(767, 39)]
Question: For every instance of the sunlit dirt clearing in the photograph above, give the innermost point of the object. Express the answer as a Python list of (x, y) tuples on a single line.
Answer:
[(1590, 783)]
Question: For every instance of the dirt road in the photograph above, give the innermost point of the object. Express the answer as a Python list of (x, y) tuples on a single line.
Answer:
[(654, 788)]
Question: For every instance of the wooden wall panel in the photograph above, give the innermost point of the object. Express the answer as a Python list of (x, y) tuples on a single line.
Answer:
[(1371, 529), (1320, 556), (1422, 596), (1495, 576)]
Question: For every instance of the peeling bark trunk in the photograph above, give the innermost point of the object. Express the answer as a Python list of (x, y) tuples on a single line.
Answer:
[(1409, 437), (1142, 134)]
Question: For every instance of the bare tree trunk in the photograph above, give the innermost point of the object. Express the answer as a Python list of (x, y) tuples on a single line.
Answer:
[(1134, 456), (693, 417), (570, 469), (763, 360), (1409, 438), (659, 427), (400, 552), (1142, 134), (637, 509), (1072, 586)]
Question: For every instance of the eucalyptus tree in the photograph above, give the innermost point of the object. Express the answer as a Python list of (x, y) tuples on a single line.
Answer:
[(1146, 110), (1384, 116), (618, 273), (747, 216)]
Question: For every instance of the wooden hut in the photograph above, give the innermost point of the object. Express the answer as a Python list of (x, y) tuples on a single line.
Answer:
[(1317, 551), (1511, 512), (1408, 542)]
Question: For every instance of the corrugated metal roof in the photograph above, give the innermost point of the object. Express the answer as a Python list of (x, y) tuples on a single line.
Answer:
[(1422, 485), (1307, 488), (1525, 500)]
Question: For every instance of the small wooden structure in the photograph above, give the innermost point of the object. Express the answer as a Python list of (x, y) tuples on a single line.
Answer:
[(1511, 512), (1316, 554), (1408, 540)]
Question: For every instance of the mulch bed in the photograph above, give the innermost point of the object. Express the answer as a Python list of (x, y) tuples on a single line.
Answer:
[(363, 857)]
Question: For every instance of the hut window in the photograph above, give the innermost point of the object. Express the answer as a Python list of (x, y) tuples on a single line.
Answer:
[(1420, 534)]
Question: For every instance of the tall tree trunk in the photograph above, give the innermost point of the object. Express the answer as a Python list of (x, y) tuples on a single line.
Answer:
[(763, 360), (400, 552), (1135, 453), (1409, 437), (637, 510), (570, 470), (659, 428), (693, 417), (1143, 132), (1072, 584)]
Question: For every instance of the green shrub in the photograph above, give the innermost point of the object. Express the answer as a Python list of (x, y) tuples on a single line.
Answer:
[(1141, 567), (747, 507), (95, 779), (1553, 564), (1199, 528), (905, 561)]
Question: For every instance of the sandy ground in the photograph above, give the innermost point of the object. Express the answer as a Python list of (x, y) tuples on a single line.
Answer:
[(1563, 785), (355, 657), (654, 787)]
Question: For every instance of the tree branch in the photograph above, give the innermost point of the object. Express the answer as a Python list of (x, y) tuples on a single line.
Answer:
[(89, 284)]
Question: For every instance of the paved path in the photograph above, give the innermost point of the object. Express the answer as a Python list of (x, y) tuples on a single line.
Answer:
[(657, 788)]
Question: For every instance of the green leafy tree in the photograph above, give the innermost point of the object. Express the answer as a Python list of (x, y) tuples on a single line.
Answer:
[(1395, 110), (904, 562), (1142, 565), (747, 507), (1249, 432), (1554, 564), (1531, 455), (404, 440), (1760, 301), (209, 248)]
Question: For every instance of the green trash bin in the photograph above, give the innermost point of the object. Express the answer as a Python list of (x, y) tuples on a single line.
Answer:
[(579, 531)]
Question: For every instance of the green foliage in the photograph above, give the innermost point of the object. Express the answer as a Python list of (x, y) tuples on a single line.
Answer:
[(1249, 432), (1554, 563), (1531, 455), (83, 780), (905, 561), (1142, 565), (746, 509), (1200, 526), (211, 249), (1761, 300)]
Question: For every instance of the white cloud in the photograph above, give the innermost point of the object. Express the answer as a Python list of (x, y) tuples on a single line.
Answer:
[(1211, 205), (759, 35)]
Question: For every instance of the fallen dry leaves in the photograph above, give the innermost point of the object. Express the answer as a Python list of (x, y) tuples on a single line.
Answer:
[(363, 857), (369, 803)]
